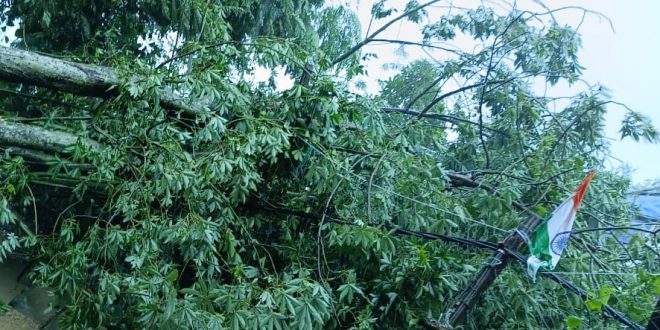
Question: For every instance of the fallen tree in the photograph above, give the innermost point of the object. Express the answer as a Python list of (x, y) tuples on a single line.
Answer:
[(38, 138), (313, 206), (83, 79)]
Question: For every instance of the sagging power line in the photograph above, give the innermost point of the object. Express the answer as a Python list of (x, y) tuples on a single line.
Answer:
[(463, 242)]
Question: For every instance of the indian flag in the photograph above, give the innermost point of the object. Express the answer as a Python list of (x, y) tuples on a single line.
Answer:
[(549, 240)]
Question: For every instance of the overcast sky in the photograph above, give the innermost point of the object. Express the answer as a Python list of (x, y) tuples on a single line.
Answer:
[(626, 61)]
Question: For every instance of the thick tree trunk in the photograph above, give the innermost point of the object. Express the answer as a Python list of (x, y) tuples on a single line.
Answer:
[(26, 67), (22, 66), (37, 138)]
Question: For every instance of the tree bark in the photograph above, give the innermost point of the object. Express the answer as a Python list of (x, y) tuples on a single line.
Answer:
[(37, 138), (26, 67)]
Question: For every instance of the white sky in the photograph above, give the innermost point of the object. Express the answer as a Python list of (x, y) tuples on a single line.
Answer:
[(625, 61)]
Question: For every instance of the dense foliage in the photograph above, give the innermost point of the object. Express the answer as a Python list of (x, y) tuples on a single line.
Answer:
[(233, 217)]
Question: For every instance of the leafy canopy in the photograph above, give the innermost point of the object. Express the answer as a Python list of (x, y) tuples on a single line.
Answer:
[(230, 218)]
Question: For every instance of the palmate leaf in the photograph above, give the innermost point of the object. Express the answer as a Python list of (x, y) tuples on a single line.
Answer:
[(289, 205)]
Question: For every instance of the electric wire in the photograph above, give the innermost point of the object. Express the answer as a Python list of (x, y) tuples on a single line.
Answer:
[(615, 314)]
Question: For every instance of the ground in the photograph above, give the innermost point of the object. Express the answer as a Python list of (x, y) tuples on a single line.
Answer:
[(14, 320)]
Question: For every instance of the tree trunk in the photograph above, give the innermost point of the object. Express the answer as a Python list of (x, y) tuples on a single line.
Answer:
[(37, 138), (26, 67)]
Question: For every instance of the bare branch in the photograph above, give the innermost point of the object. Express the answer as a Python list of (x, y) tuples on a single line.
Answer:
[(458, 180), (418, 44), (383, 28), (460, 90), (447, 118)]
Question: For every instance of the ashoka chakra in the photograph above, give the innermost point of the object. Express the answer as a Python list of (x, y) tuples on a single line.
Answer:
[(559, 242)]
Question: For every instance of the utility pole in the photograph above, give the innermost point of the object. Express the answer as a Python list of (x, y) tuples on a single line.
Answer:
[(493, 267)]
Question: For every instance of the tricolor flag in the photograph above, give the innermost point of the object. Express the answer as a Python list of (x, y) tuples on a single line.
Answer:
[(551, 237)]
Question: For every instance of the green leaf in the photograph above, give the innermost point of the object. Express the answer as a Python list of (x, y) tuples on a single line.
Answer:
[(173, 275), (604, 294), (573, 322), (595, 305), (45, 19)]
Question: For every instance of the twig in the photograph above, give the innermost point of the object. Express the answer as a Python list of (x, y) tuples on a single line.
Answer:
[(437, 116), (462, 89), (383, 28), (371, 179), (423, 45)]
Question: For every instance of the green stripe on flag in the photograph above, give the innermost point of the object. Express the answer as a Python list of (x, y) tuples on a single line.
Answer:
[(540, 244)]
